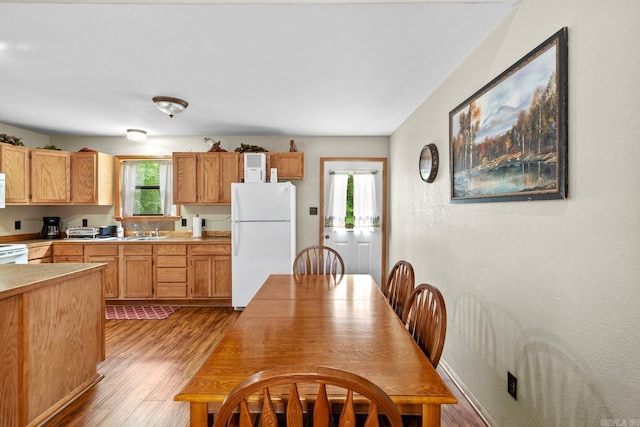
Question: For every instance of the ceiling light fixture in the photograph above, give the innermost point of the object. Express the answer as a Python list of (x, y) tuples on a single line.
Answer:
[(136, 135), (170, 105)]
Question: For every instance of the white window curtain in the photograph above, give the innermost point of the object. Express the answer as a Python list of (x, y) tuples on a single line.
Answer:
[(365, 205), (165, 170), (128, 188), (337, 206)]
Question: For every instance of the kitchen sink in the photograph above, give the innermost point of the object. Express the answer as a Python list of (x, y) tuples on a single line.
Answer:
[(141, 238)]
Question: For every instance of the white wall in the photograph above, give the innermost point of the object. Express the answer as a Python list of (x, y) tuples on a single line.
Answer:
[(217, 217), (548, 290)]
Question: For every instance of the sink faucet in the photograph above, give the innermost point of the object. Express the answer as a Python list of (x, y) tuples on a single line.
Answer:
[(139, 229)]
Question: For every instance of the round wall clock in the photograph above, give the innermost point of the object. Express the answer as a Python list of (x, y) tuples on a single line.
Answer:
[(428, 163)]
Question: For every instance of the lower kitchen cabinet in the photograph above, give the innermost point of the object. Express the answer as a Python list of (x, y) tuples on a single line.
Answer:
[(107, 254), (170, 271), (102, 253), (136, 271), (210, 271), (193, 273)]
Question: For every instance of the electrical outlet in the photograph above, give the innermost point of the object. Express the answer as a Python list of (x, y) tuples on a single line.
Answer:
[(85, 222), (202, 222), (313, 211), (184, 222), (512, 385), (17, 225)]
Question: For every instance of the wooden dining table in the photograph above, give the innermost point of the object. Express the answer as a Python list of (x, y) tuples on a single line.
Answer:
[(314, 320)]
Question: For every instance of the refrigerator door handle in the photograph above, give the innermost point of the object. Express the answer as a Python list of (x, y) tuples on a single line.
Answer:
[(236, 237)]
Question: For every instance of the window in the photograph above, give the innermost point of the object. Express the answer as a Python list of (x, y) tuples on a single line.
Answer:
[(145, 188), (352, 200)]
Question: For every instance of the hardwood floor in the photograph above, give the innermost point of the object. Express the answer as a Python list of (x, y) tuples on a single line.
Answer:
[(147, 361)]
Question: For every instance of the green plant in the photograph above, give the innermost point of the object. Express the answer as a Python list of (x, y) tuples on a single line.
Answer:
[(349, 221)]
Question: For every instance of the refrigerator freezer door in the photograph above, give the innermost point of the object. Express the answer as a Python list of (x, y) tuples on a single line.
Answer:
[(258, 250), (263, 202)]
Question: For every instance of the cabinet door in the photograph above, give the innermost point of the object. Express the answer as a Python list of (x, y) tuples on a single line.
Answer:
[(221, 286), (91, 178), (84, 186), (229, 173), (211, 276), (201, 276), (184, 178), (136, 271), (108, 254), (209, 170), (50, 183), (290, 165), (14, 162), (137, 274)]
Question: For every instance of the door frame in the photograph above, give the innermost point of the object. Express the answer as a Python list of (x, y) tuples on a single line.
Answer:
[(383, 224)]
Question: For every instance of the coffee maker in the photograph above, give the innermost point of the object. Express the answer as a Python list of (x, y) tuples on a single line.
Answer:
[(51, 227)]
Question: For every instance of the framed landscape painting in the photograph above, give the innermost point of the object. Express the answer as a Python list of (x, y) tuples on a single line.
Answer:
[(508, 141)]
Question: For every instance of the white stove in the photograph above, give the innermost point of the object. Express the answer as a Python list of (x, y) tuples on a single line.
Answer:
[(14, 253)]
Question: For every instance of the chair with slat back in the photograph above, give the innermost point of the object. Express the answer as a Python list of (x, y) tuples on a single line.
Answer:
[(235, 409), (425, 316), (319, 260), (399, 285)]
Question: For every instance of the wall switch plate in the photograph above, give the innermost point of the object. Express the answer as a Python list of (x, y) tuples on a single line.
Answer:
[(512, 385), (184, 222), (17, 225), (313, 211), (85, 222)]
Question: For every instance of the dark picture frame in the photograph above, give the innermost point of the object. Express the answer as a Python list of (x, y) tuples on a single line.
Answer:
[(508, 141)]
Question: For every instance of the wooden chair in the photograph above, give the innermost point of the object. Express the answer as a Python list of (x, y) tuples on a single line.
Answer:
[(399, 285), (425, 316), (300, 379), (319, 260)]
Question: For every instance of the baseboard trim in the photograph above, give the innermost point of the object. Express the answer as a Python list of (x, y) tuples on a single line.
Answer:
[(467, 394)]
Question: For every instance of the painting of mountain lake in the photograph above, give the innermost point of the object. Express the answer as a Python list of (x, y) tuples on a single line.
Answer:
[(509, 140)]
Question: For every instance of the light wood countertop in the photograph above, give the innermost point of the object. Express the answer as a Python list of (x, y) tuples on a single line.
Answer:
[(19, 278)]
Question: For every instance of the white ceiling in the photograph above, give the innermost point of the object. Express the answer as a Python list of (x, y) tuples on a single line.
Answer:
[(246, 68)]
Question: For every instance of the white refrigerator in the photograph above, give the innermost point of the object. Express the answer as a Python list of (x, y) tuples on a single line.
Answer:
[(263, 236)]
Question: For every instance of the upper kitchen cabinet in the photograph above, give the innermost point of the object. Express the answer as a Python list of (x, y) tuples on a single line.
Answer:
[(290, 165), (14, 162), (50, 178), (91, 178), (205, 178)]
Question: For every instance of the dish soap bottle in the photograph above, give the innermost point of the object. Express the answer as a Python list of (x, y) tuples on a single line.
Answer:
[(120, 230)]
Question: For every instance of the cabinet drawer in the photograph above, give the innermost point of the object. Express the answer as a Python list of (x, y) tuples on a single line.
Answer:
[(36, 252), (99, 249), (68, 250), (169, 274), (136, 249), (171, 261), (170, 249), (171, 290), (211, 249)]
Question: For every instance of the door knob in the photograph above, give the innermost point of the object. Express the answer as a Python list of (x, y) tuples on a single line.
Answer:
[(326, 236)]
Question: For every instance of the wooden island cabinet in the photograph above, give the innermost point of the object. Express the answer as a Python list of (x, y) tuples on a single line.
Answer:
[(51, 338)]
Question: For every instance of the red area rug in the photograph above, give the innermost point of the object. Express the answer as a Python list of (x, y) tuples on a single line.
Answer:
[(139, 312)]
